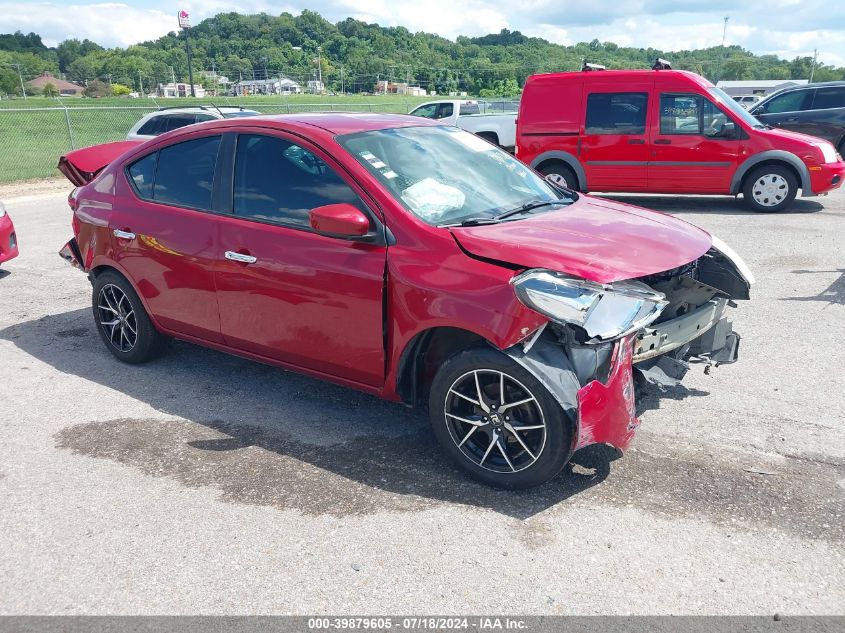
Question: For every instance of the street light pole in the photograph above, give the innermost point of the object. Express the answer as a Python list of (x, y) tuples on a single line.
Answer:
[(320, 69)]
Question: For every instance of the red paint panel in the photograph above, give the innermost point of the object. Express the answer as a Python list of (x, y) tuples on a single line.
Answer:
[(308, 300), (7, 230), (606, 412)]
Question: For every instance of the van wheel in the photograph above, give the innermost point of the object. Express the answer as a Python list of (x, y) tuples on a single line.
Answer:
[(561, 175), (122, 322), (497, 422), (770, 188)]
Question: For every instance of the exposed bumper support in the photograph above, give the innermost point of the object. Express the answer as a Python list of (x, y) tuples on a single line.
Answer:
[(671, 335)]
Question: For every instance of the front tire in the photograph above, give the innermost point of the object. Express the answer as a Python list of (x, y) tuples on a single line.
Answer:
[(497, 422), (770, 188), (123, 324), (561, 175)]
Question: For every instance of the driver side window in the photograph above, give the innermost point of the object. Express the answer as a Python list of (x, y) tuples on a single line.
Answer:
[(694, 115)]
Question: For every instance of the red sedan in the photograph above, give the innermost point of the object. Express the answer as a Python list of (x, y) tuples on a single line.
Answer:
[(407, 259), (8, 238)]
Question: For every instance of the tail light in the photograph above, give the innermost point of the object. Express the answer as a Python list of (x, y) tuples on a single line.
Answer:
[(72, 197)]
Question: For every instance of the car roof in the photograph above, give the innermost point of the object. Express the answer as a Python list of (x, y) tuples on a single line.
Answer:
[(332, 122), (200, 108), (622, 75)]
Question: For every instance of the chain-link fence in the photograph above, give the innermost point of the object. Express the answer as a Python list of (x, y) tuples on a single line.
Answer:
[(33, 139)]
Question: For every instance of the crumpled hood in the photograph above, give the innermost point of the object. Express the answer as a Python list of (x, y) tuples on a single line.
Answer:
[(593, 238)]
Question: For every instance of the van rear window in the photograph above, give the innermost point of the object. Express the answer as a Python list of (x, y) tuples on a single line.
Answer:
[(616, 112)]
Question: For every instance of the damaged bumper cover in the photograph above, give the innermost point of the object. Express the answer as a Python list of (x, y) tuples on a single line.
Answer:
[(603, 411)]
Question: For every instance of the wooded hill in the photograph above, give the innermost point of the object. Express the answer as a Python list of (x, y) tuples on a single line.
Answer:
[(355, 55)]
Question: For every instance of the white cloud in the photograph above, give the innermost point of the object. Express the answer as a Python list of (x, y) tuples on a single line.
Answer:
[(105, 23)]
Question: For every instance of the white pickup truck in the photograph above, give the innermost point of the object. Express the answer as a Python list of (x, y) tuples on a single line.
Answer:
[(499, 128)]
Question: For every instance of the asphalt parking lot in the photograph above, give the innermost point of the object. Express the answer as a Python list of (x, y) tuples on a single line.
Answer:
[(203, 483)]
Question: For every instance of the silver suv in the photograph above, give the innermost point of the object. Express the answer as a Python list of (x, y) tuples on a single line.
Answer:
[(166, 119)]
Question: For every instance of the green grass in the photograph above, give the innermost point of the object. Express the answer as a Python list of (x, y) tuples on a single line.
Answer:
[(32, 141)]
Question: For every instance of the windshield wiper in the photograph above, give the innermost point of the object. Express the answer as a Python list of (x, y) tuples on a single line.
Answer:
[(530, 206), (472, 222)]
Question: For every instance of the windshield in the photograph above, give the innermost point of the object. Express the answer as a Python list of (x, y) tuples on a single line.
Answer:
[(444, 175), (728, 103)]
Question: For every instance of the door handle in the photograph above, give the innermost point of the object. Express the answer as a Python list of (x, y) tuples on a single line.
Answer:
[(124, 235), (240, 257), (636, 141), (792, 119), (662, 141)]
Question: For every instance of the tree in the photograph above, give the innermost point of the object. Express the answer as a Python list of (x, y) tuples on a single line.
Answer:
[(96, 89), (49, 90), (119, 90)]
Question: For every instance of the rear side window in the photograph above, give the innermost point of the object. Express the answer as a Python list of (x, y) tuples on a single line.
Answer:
[(142, 173), (469, 108), (185, 173), (154, 126), (175, 121), (827, 98), (278, 181), (616, 112), (790, 102)]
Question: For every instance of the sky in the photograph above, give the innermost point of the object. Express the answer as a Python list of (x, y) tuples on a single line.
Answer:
[(782, 27)]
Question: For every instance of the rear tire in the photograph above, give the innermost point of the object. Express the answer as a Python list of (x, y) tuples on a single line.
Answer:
[(561, 174), (515, 442), (123, 324), (770, 188)]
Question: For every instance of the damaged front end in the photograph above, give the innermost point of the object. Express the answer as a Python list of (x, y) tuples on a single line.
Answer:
[(600, 334)]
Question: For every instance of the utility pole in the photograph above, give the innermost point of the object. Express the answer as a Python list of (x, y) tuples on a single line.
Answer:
[(185, 25), (813, 67), (722, 53), (173, 76), (140, 84), (20, 76), (320, 68)]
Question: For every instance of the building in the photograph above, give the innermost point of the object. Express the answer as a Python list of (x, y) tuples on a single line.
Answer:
[(389, 88), (760, 87), (315, 86), (173, 90), (277, 86), (65, 88)]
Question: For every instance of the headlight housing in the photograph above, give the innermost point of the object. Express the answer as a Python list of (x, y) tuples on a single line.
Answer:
[(828, 152), (603, 311)]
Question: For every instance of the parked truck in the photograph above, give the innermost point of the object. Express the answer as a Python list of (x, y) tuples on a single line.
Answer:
[(498, 128)]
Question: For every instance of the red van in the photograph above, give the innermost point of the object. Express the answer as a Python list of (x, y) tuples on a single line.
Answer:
[(665, 131)]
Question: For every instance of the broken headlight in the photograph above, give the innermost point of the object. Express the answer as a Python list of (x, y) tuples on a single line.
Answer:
[(603, 311)]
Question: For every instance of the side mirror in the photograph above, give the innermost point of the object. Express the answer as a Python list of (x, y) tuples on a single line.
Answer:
[(339, 220)]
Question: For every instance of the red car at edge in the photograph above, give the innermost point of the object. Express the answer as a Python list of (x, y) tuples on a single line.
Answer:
[(8, 237), (407, 259)]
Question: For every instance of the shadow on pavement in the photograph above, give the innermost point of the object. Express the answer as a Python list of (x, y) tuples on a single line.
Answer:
[(833, 294), (266, 436), (723, 205)]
